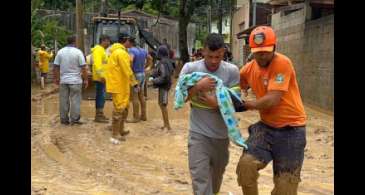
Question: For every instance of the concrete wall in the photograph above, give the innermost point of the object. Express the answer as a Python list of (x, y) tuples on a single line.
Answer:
[(310, 46)]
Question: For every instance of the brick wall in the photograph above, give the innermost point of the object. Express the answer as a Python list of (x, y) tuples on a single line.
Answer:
[(309, 44)]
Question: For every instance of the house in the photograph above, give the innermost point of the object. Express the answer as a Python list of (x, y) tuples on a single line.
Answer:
[(305, 33), (242, 22)]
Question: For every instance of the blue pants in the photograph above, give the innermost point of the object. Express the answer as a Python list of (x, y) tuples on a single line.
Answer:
[(100, 95)]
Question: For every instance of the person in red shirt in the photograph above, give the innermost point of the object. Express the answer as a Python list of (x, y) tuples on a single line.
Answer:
[(279, 136)]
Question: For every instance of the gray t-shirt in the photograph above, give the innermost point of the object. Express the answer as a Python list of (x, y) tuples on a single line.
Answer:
[(70, 60), (209, 122)]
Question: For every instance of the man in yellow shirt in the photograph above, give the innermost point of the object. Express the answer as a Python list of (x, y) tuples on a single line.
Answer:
[(43, 64), (99, 61), (119, 79)]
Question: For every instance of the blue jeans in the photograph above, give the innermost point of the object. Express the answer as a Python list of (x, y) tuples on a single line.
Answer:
[(100, 95), (140, 76), (70, 100)]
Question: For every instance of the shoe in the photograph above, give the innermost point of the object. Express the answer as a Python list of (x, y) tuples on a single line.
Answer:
[(76, 122), (117, 140), (65, 122), (100, 117), (132, 121)]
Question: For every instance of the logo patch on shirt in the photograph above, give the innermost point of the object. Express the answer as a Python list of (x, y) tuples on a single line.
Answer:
[(279, 78)]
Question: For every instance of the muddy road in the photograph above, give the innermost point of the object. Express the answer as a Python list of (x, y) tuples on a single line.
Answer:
[(79, 160)]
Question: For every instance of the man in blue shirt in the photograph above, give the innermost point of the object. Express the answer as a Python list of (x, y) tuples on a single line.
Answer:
[(138, 57)]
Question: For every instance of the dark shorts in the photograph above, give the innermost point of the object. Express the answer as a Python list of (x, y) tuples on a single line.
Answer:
[(163, 95), (285, 146), (44, 74)]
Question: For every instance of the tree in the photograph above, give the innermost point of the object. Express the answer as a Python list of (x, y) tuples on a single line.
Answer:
[(186, 10)]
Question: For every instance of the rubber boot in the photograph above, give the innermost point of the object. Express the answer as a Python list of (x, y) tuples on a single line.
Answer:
[(135, 115), (116, 121), (42, 82), (165, 116), (143, 111), (99, 117), (121, 129), (135, 111)]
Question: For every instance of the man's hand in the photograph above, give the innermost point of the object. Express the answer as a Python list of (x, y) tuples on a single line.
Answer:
[(136, 88), (102, 80), (86, 84), (205, 84), (245, 92), (250, 105), (209, 99), (272, 98)]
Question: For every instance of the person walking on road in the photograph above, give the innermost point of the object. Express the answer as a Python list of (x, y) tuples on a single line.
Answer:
[(208, 135), (161, 79), (43, 64), (119, 79), (99, 61), (139, 57), (70, 72), (280, 135)]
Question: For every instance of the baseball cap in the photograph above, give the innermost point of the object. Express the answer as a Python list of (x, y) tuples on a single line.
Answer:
[(262, 38)]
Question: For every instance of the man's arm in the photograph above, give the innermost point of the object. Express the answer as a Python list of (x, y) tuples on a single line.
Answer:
[(82, 64), (85, 76), (272, 98), (277, 86)]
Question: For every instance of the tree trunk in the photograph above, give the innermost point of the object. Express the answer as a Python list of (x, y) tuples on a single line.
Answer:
[(80, 25), (184, 19)]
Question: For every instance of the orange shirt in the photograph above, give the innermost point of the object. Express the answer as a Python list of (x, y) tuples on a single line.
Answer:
[(279, 75)]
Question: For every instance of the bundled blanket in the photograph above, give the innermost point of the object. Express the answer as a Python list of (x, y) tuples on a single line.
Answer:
[(223, 95)]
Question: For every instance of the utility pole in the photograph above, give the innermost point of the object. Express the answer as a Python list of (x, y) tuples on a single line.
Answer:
[(253, 12), (80, 25), (209, 13), (103, 7)]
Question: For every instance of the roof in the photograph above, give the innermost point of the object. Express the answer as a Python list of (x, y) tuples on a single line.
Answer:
[(247, 31), (288, 2), (140, 12)]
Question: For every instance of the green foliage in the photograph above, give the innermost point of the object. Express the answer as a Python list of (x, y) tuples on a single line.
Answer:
[(45, 29)]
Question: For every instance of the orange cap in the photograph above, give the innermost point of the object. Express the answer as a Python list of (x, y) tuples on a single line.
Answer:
[(262, 38)]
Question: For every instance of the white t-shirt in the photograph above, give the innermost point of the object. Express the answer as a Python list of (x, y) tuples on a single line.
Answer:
[(70, 60)]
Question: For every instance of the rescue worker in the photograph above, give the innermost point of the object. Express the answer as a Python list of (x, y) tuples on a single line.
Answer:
[(119, 79), (43, 64), (280, 135), (99, 61)]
